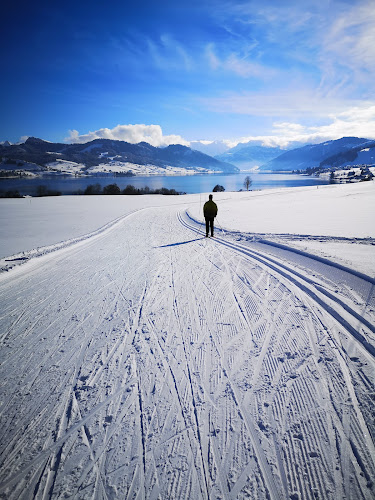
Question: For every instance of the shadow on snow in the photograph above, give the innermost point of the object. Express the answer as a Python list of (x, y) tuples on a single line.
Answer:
[(180, 243)]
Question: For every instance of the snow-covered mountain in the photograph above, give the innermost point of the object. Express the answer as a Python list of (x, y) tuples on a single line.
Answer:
[(314, 155), (248, 155), (357, 155), (212, 148), (105, 151), (335, 153)]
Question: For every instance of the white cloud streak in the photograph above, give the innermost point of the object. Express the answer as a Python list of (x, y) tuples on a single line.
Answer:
[(291, 101), (152, 134), (355, 122), (167, 54), (237, 64), (351, 39), (334, 38)]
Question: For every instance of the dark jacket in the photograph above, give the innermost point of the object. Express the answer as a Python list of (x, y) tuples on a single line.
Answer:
[(210, 209)]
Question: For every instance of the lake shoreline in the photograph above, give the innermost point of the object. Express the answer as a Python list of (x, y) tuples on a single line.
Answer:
[(190, 184)]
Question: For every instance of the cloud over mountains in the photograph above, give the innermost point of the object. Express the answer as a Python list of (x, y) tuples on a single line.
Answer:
[(134, 134), (355, 121)]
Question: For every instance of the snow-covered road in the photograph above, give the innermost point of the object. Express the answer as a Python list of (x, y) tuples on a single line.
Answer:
[(150, 362)]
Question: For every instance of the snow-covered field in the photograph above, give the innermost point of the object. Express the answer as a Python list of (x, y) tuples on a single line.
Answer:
[(115, 166), (335, 221), (69, 167), (142, 360), (121, 167)]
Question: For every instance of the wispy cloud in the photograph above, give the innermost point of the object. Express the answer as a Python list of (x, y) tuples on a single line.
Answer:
[(212, 58), (332, 42), (168, 54), (284, 102), (349, 45), (237, 64), (134, 134), (177, 51)]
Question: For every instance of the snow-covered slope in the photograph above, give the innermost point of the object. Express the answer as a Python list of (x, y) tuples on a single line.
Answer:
[(148, 361), (312, 218), (313, 155)]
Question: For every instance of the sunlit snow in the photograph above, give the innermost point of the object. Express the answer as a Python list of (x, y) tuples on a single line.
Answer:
[(140, 359)]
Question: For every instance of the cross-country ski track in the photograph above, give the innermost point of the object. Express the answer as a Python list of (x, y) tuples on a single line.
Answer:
[(148, 361)]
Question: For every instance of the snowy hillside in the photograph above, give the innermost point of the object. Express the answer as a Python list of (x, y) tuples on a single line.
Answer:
[(315, 155), (143, 360), (78, 158)]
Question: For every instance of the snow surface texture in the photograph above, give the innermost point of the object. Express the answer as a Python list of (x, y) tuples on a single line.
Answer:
[(148, 361)]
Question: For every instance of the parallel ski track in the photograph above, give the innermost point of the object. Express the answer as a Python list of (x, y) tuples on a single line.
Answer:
[(340, 311)]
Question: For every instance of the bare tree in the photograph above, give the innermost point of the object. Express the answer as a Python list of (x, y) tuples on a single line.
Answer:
[(247, 182)]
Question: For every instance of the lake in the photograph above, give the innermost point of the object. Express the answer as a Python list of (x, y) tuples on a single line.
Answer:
[(182, 183)]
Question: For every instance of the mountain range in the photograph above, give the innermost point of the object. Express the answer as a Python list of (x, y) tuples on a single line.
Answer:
[(102, 151), (211, 148), (364, 153), (336, 153), (249, 155)]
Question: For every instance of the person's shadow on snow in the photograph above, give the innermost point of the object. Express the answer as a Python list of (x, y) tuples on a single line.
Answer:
[(180, 243)]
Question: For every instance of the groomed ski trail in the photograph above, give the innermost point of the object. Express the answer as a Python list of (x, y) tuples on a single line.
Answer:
[(150, 362)]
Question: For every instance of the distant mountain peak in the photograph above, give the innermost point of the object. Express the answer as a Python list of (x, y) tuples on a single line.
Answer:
[(35, 140), (250, 155), (177, 147)]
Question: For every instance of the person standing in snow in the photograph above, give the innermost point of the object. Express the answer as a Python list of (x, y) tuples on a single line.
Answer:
[(210, 212)]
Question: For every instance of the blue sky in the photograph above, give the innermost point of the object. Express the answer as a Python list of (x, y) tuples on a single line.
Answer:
[(171, 71)]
